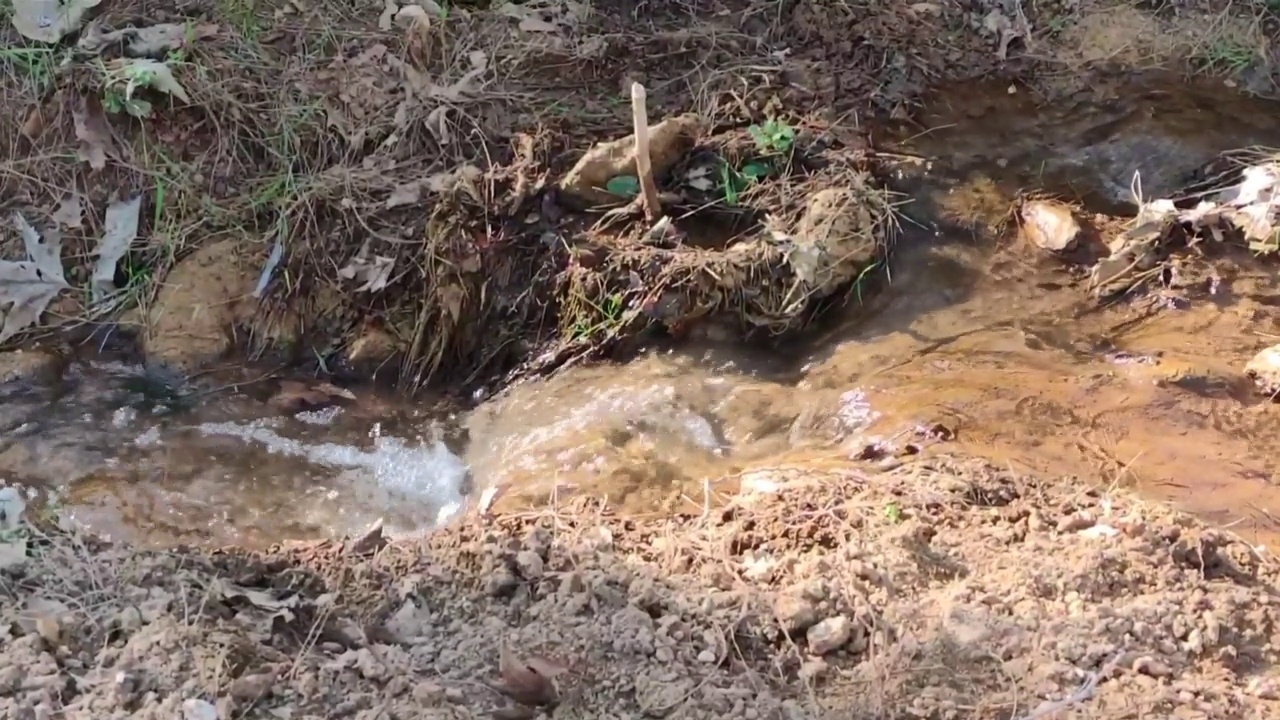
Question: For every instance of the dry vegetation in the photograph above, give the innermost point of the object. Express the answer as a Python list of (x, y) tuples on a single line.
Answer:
[(370, 189)]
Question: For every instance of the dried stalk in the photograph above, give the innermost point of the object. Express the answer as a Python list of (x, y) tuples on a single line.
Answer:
[(644, 167)]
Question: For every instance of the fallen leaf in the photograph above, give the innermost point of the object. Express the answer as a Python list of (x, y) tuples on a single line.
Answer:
[(70, 213), (375, 273), (119, 230), (49, 21), (28, 286), (93, 132), (33, 126), (440, 182), (145, 72), (154, 41)]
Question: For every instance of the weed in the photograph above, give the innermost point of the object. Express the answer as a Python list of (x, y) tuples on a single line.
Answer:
[(610, 317), (774, 137), (1227, 55), (893, 513)]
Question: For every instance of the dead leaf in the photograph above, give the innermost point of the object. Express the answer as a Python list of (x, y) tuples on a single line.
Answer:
[(33, 126), (49, 21), (375, 273), (119, 230), (522, 682), (28, 286), (93, 132), (225, 590), (70, 213), (145, 72), (154, 41), (440, 182)]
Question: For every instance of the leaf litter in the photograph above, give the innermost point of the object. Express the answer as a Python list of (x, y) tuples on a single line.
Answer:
[(49, 21), (119, 230), (28, 286)]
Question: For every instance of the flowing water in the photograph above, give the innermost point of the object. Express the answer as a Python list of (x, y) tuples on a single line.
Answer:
[(974, 345)]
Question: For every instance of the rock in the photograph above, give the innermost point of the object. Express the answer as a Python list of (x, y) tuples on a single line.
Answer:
[(251, 688), (1050, 225), (841, 232), (35, 364), (195, 709), (191, 321), (795, 613), (1264, 371), (530, 564), (374, 349), (669, 140), (706, 657), (829, 635)]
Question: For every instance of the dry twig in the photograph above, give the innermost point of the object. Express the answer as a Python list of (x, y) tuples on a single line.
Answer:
[(644, 168)]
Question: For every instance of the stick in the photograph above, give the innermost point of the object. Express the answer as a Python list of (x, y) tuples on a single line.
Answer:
[(644, 168)]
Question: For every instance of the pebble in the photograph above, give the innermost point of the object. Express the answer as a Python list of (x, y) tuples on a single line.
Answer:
[(1050, 225), (829, 635), (530, 564), (795, 613), (706, 656), (196, 709)]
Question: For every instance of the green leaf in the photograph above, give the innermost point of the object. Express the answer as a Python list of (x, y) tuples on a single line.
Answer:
[(755, 170), (627, 186)]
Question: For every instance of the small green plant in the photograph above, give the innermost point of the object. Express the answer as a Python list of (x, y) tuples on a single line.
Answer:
[(610, 316), (774, 137), (893, 513)]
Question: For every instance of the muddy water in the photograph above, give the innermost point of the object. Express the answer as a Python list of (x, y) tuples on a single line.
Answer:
[(989, 340)]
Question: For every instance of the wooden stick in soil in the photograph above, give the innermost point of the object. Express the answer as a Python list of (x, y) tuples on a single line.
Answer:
[(644, 167)]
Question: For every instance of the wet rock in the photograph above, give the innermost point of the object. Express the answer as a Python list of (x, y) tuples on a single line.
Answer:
[(841, 232), (1264, 371), (829, 635), (198, 304), (669, 140), (1050, 225), (374, 349)]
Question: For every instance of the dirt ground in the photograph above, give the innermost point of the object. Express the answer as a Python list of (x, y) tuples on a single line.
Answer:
[(384, 190), (940, 589)]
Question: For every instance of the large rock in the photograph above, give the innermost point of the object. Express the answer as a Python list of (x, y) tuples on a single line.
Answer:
[(669, 140), (191, 322)]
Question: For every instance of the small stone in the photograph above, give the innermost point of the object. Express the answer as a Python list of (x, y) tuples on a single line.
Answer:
[(795, 613), (664, 654), (129, 619), (196, 709), (1050, 225), (706, 656), (428, 693), (502, 582), (1075, 523), (1148, 665), (1264, 371), (250, 688), (829, 635), (530, 564)]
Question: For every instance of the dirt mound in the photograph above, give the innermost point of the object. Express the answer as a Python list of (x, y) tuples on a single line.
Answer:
[(940, 589)]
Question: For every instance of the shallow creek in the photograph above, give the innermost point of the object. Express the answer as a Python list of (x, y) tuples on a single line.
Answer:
[(986, 339)]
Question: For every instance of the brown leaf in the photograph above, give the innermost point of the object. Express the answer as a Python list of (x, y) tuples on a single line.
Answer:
[(33, 127), (92, 131), (523, 682)]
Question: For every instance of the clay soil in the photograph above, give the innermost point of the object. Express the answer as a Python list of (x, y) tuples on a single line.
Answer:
[(940, 589)]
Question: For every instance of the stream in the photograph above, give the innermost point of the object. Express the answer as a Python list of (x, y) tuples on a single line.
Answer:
[(973, 346)]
